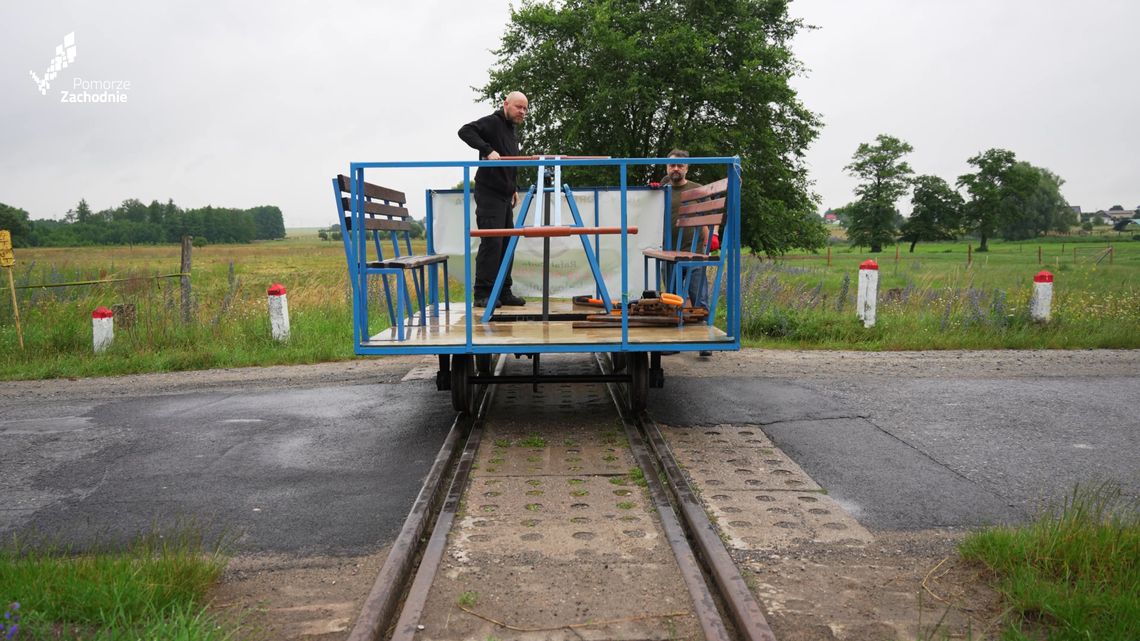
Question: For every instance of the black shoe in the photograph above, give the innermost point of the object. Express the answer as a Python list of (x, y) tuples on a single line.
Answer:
[(507, 298), (704, 353), (482, 302)]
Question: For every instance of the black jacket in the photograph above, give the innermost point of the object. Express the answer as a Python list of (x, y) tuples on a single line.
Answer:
[(493, 133)]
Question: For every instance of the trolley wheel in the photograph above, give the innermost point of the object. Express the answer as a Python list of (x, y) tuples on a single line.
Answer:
[(638, 381), (619, 360), (483, 363), (462, 394)]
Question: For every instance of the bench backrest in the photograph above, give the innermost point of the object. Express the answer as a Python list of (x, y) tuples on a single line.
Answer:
[(385, 214), (704, 206)]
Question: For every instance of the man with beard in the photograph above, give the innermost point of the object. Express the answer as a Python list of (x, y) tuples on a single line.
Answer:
[(676, 175), (496, 193)]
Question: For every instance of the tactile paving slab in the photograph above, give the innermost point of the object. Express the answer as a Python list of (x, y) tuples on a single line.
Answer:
[(755, 494), (735, 459)]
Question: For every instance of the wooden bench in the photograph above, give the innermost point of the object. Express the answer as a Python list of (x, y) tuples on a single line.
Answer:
[(388, 251), (701, 208)]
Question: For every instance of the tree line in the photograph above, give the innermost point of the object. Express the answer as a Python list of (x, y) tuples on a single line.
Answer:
[(135, 223), (1005, 197)]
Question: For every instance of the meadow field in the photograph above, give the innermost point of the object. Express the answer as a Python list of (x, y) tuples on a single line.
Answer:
[(931, 299)]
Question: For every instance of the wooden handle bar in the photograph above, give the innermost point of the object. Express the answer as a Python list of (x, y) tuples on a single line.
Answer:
[(548, 232), (551, 157)]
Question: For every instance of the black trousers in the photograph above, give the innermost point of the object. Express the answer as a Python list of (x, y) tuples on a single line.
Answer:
[(492, 211)]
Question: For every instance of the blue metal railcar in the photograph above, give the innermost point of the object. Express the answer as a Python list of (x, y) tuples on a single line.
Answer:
[(464, 338)]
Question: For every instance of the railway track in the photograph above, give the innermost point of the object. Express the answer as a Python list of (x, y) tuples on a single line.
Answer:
[(719, 607)]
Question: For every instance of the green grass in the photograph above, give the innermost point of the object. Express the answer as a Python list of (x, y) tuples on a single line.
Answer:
[(154, 589), (1074, 573), (937, 299), (931, 299)]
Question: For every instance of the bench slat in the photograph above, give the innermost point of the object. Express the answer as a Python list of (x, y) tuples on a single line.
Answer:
[(373, 191), (703, 206), (673, 256), (371, 207), (410, 262), (704, 191), (701, 221)]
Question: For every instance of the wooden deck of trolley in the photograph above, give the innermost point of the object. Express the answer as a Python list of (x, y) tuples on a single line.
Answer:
[(450, 328)]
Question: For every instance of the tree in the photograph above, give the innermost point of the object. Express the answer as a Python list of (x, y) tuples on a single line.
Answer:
[(16, 221), (936, 212), (886, 177), (1036, 205), (635, 78), (83, 211), (990, 187)]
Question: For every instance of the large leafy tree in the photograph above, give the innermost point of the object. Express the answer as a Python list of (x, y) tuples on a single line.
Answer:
[(936, 212), (636, 78), (1036, 205), (992, 189), (885, 178)]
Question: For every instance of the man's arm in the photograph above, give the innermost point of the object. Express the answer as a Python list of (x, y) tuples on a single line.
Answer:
[(472, 134)]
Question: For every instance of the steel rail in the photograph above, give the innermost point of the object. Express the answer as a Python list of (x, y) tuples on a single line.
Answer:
[(747, 617), (379, 608), (708, 616), (742, 605), (408, 623)]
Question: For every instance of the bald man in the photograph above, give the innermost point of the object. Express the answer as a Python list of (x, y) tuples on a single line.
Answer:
[(496, 192)]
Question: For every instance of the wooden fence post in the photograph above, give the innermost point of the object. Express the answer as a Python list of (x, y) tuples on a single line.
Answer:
[(185, 271), (1039, 254), (969, 255), (8, 261)]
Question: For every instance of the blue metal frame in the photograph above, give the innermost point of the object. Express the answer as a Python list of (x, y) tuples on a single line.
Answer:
[(730, 249)]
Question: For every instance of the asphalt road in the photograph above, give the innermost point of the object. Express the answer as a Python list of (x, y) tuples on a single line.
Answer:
[(330, 465)]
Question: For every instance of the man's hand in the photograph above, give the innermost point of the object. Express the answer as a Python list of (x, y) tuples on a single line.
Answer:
[(514, 199), (494, 155)]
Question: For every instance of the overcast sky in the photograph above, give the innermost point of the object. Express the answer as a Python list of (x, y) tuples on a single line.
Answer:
[(243, 103)]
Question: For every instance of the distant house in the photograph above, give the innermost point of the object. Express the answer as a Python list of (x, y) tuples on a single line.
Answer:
[(829, 218), (1108, 216)]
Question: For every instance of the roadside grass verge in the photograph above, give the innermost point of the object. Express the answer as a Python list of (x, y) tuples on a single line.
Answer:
[(934, 299), (1074, 573), (154, 589)]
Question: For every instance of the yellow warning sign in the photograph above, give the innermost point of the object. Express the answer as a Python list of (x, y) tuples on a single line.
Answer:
[(7, 258)]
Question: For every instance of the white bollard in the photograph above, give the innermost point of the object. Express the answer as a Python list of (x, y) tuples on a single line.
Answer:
[(867, 296), (1041, 304), (278, 312), (102, 328)]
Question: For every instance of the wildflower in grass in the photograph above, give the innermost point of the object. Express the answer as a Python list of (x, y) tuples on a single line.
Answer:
[(11, 623), (842, 298)]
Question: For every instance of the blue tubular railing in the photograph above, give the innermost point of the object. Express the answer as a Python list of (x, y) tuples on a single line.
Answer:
[(731, 272)]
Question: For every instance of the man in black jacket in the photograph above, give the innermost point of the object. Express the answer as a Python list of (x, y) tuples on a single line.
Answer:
[(496, 192)]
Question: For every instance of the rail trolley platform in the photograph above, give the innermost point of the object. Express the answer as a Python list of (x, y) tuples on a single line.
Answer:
[(601, 268)]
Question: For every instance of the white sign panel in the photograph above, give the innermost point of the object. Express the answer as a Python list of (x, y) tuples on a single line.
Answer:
[(569, 268)]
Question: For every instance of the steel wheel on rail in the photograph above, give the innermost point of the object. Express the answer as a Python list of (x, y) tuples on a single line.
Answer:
[(462, 366), (619, 361), (638, 380), (483, 363)]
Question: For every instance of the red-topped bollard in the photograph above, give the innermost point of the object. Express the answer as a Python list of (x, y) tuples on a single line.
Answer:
[(867, 295), (102, 328), (1040, 306), (278, 312)]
